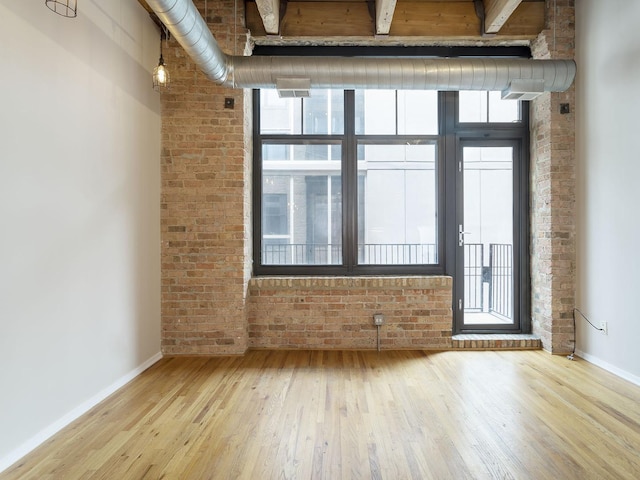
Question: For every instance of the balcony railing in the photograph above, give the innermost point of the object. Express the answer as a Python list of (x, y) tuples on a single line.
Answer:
[(301, 254), (501, 280), (489, 288), (368, 254), (397, 254)]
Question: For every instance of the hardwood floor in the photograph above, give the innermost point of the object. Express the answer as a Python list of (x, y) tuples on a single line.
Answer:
[(355, 415)]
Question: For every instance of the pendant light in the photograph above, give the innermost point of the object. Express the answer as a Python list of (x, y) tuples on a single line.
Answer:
[(161, 78), (66, 8)]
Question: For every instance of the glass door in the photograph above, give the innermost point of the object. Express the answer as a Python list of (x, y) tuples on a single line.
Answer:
[(488, 237)]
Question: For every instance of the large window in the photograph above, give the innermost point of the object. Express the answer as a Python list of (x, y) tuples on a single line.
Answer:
[(372, 181), (348, 182)]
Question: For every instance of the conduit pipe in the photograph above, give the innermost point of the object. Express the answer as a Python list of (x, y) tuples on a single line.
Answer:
[(446, 74)]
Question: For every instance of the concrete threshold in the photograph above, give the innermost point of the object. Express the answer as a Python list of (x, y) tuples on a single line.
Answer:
[(496, 341)]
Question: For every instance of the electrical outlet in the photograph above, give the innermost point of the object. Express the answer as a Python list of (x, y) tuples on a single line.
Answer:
[(378, 319), (604, 328)]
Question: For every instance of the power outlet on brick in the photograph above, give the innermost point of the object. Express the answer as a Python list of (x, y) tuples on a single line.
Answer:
[(378, 319)]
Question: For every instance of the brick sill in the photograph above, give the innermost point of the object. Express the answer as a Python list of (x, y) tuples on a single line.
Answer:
[(502, 341)]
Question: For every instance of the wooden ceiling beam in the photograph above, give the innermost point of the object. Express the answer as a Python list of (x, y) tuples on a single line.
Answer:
[(437, 20), (270, 14), (384, 16), (497, 12), (330, 19)]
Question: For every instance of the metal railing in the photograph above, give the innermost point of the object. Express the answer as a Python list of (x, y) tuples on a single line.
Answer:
[(301, 254), (489, 288), (473, 278), (397, 254), (501, 284), (368, 254)]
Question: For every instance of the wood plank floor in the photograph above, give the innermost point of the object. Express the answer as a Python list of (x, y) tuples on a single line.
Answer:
[(355, 415)]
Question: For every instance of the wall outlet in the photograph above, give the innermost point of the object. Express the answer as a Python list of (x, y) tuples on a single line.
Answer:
[(604, 328), (378, 319)]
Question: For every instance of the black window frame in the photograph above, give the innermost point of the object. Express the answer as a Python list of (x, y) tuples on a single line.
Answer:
[(349, 141)]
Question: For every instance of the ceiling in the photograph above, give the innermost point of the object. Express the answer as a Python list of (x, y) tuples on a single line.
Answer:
[(392, 22)]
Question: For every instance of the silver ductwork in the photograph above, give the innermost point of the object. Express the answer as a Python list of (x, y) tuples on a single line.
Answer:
[(190, 30), (400, 73)]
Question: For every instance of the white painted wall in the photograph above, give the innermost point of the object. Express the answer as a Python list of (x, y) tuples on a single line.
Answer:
[(79, 211), (608, 222)]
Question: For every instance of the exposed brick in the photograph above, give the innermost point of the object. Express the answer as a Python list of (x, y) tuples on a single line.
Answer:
[(209, 307), (205, 202), (553, 184), (424, 321)]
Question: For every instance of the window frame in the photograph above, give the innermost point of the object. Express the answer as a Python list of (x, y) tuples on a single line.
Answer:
[(349, 168)]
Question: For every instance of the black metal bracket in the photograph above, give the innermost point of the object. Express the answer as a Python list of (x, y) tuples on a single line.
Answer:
[(165, 34)]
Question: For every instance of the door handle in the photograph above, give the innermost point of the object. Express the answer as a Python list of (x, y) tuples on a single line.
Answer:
[(461, 234)]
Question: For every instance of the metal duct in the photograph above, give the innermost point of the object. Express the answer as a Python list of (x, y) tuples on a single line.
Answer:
[(190, 30), (400, 73)]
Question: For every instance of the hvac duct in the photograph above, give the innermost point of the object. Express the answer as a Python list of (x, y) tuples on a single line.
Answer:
[(185, 23)]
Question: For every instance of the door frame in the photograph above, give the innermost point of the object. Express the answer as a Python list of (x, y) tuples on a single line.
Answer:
[(521, 258)]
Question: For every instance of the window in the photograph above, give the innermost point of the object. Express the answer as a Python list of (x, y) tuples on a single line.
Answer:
[(346, 182), (275, 215), (396, 112), (397, 217), (398, 182), (487, 107)]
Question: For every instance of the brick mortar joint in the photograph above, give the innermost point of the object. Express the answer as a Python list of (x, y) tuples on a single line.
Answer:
[(382, 283)]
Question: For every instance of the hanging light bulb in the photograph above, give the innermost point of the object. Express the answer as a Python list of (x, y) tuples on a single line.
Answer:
[(161, 79), (66, 8), (160, 76), (161, 73)]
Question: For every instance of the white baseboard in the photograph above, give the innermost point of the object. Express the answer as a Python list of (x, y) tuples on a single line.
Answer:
[(80, 410), (610, 368)]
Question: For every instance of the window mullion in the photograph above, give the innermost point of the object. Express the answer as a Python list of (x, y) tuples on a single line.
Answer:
[(349, 186)]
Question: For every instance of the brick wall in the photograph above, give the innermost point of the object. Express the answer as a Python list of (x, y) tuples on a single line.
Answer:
[(205, 202), (553, 248), (207, 305), (328, 313)]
